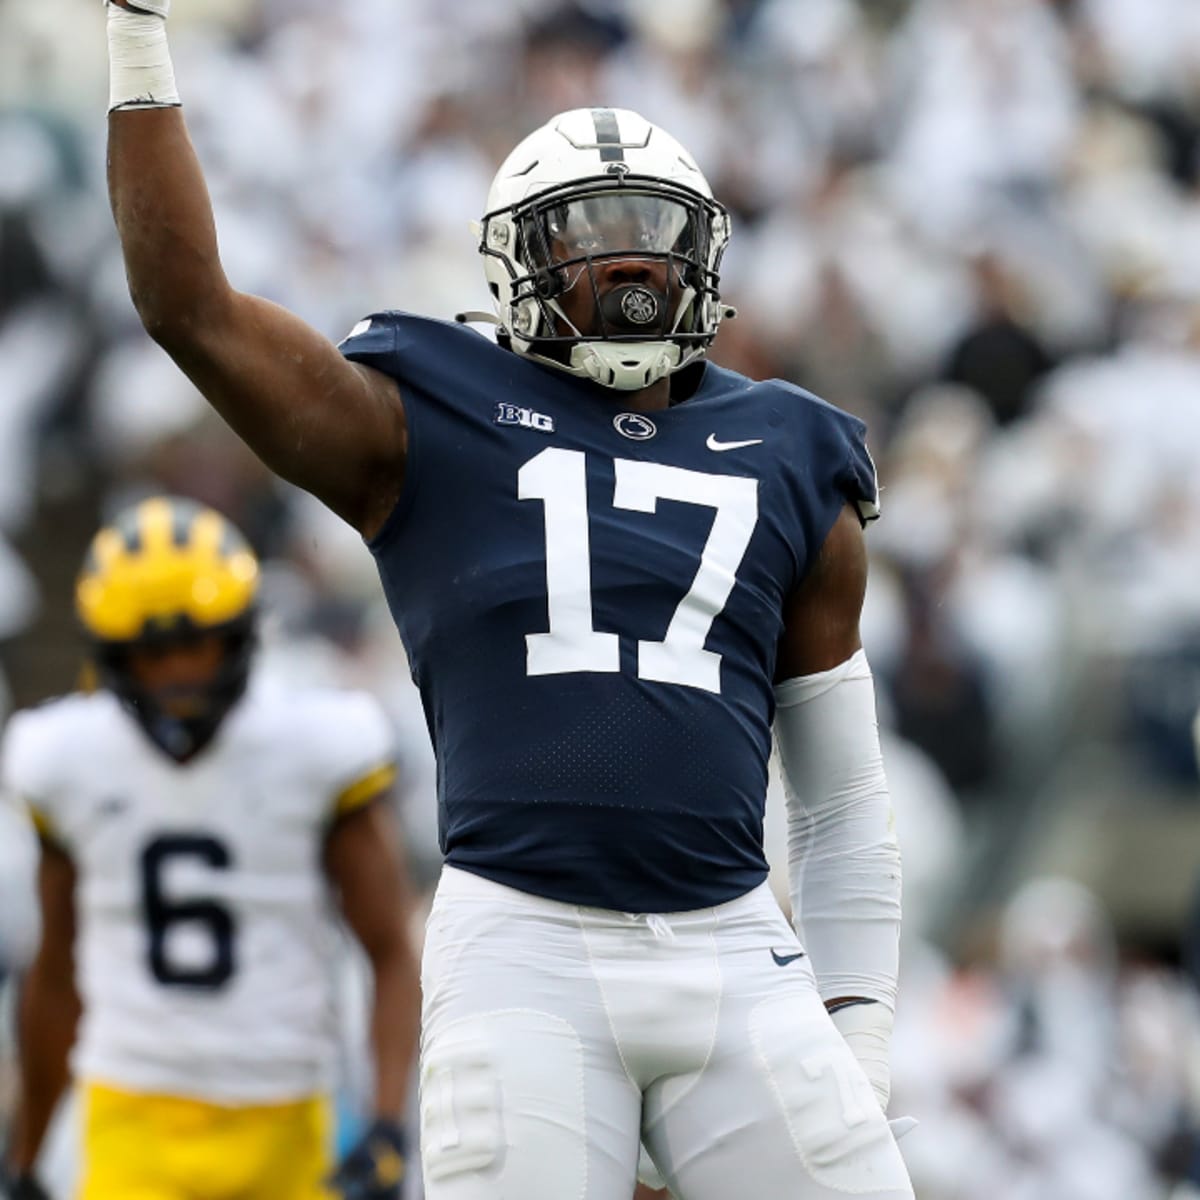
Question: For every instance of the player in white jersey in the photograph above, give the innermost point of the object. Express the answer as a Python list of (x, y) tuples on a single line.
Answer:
[(200, 831)]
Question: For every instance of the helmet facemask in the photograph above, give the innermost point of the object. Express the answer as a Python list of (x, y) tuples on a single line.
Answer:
[(669, 240), (182, 720)]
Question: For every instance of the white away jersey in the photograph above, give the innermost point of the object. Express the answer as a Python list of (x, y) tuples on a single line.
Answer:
[(205, 924)]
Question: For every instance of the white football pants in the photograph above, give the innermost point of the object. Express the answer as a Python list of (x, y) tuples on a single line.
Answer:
[(556, 1038)]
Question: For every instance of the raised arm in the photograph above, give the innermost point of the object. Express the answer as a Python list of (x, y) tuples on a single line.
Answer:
[(332, 427)]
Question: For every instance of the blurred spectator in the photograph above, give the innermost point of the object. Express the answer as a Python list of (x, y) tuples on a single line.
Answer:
[(999, 357), (938, 693)]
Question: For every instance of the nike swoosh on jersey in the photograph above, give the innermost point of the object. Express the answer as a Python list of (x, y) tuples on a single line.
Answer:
[(782, 960), (713, 444)]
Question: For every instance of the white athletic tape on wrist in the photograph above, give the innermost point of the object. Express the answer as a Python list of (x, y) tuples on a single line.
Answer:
[(140, 73), (867, 1030)]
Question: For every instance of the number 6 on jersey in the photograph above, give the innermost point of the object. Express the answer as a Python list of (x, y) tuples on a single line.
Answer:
[(559, 479)]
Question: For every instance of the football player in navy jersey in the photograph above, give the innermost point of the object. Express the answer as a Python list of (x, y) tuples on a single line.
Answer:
[(618, 571)]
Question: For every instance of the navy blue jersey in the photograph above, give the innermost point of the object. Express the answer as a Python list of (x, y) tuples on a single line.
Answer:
[(591, 601)]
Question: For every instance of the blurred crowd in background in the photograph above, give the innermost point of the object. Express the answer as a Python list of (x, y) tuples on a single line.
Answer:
[(975, 223)]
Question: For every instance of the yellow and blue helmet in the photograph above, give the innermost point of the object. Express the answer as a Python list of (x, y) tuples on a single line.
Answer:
[(163, 571)]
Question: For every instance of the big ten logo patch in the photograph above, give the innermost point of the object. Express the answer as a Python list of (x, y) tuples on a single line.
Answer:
[(526, 418)]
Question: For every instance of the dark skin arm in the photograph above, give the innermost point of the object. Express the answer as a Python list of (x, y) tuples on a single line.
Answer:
[(48, 1013), (821, 622), (329, 426), (820, 627), (362, 861)]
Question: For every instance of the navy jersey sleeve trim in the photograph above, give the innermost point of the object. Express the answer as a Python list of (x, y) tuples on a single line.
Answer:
[(374, 342), (856, 479), (859, 480), (842, 472), (841, 438)]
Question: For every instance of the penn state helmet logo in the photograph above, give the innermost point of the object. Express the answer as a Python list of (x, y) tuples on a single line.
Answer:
[(634, 426), (639, 306)]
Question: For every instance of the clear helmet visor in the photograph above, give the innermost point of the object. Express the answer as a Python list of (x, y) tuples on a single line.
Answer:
[(611, 223)]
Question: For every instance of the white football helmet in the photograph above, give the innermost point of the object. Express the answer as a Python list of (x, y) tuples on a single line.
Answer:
[(594, 185)]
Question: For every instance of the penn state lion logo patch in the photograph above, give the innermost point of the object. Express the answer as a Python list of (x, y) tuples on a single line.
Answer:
[(634, 426)]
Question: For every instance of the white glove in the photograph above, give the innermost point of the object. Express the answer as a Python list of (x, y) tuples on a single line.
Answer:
[(867, 1029), (156, 8)]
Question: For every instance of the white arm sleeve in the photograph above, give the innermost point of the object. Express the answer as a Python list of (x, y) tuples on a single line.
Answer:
[(843, 860)]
